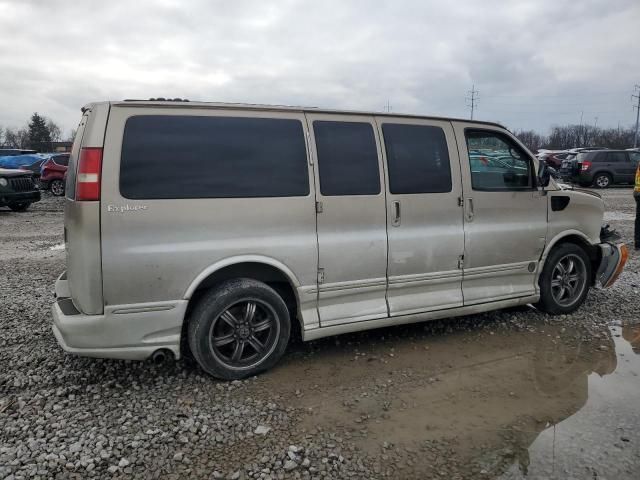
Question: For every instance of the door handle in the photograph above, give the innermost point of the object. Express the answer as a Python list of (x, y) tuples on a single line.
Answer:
[(469, 209), (396, 213)]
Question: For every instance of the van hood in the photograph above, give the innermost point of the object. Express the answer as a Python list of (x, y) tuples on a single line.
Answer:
[(566, 186)]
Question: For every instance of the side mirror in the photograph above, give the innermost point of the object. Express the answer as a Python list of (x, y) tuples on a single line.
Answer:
[(544, 175)]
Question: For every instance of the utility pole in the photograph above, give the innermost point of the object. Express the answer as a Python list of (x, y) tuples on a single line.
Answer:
[(472, 99), (387, 107), (637, 107), (595, 124)]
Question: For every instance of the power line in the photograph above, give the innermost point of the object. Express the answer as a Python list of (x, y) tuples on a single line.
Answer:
[(473, 99), (548, 104), (555, 96)]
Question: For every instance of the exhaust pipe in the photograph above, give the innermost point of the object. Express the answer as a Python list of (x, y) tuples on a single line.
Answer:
[(161, 356)]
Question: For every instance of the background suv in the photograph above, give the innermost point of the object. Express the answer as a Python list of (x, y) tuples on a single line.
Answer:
[(52, 174), (603, 168)]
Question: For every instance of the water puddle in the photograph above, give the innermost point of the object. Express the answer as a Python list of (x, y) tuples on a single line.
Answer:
[(535, 402), (601, 439)]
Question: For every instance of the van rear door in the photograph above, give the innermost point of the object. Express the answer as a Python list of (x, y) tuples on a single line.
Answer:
[(82, 218)]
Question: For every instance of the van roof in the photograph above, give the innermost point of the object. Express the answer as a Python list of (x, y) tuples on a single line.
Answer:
[(276, 108)]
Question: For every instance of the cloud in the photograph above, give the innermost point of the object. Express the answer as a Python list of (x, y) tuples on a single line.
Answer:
[(536, 63)]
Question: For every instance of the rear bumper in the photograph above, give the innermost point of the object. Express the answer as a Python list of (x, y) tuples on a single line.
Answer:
[(50, 176), (19, 197), (127, 332), (613, 259)]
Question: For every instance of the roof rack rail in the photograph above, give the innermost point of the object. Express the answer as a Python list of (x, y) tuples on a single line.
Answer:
[(159, 99)]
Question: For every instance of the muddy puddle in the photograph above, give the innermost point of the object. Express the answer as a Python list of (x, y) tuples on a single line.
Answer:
[(531, 402)]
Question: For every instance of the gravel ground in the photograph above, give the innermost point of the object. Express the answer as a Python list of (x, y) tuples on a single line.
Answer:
[(502, 395)]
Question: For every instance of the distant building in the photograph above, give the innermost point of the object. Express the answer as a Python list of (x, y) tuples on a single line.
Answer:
[(61, 147)]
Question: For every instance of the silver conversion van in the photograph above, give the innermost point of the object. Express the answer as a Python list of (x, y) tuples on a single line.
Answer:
[(224, 229)]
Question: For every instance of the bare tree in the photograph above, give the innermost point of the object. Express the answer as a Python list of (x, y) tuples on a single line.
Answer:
[(571, 136), (55, 132), (16, 138), (533, 140)]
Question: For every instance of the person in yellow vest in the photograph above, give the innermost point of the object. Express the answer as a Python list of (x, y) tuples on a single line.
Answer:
[(636, 195)]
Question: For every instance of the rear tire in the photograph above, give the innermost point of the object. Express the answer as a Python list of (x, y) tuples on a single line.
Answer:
[(239, 329), (57, 187), (565, 280), (19, 207), (602, 180)]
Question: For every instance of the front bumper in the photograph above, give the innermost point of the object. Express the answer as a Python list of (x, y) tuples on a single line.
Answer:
[(126, 332), (8, 198), (613, 259)]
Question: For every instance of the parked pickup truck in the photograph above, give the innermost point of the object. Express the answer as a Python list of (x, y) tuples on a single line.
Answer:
[(17, 189)]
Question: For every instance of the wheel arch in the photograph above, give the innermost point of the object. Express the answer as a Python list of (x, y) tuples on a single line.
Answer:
[(265, 269), (577, 238), (256, 261)]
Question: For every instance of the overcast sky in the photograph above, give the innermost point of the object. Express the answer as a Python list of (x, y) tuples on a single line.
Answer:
[(535, 63)]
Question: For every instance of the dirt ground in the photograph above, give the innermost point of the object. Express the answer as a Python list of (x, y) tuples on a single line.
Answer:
[(510, 394)]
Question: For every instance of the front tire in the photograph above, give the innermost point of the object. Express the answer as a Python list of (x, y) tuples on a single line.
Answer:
[(19, 207), (239, 329), (565, 280)]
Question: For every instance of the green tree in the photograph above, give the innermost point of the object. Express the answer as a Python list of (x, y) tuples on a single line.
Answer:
[(39, 135)]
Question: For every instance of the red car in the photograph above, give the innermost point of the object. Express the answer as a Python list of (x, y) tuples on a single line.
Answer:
[(52, 173)]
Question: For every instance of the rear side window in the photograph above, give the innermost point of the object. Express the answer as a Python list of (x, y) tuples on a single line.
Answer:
[(171, 156), (417, 159), (616, 157), (347, 158), (497, 162), (62, 160)]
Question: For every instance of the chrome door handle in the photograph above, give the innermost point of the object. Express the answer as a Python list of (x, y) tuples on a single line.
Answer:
[(396, 214), (469, 209)]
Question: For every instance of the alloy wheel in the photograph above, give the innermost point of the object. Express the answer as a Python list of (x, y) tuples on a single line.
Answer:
[(568, 280), (57, 188), (244, 334)]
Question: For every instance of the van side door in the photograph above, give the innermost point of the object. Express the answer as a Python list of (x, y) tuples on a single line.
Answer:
[(505, 216), (426, 237), (351, 218)]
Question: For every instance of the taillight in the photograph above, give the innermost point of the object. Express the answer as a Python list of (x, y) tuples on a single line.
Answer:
[(584, 166), (88, 177)]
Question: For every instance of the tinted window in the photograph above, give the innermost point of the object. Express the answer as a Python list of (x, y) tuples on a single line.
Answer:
[(62, 160), (616, 157), (497, 163), (417, 158), (347, 158), (166, 156), (635, 156)]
